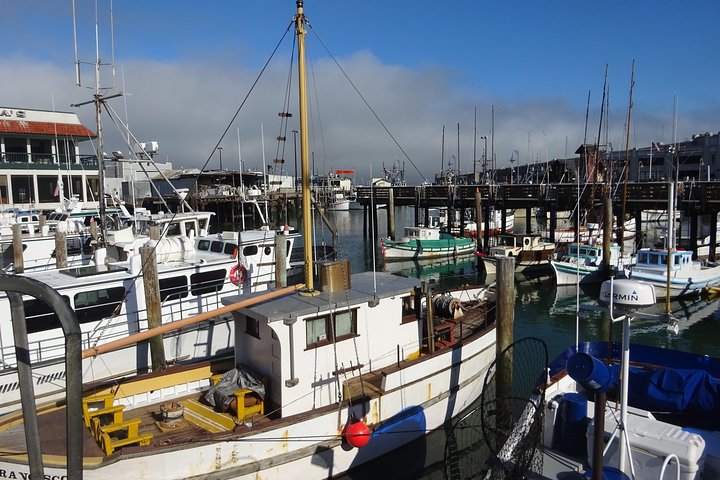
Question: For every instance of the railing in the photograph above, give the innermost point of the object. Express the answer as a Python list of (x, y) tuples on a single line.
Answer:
[(89, 161)]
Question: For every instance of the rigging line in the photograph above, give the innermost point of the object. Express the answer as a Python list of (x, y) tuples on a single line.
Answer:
[(285, 115), (113, 115), (245, 99), (347, 77), (319, 119)]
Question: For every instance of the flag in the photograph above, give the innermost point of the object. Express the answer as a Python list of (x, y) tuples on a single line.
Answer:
[(58, 187)]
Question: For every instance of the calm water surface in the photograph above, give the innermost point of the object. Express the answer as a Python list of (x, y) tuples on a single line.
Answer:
[(542, 310)]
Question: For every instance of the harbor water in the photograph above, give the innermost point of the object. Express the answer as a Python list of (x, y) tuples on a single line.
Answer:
[(542, 310)]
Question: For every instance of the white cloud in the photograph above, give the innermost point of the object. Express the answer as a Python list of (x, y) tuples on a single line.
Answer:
[(186, 107)]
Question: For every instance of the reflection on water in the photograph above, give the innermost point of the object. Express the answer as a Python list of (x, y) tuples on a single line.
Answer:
[(542, 310)]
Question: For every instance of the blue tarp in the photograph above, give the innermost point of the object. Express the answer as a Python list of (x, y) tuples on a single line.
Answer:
[(673, 382)]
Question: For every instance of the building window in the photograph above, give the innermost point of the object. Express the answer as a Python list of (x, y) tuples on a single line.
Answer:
[(325, 329)]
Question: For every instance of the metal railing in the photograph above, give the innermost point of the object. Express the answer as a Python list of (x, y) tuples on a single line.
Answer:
[(89, 161)]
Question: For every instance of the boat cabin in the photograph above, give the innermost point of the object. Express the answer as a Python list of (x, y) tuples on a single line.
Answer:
[(652, 257)]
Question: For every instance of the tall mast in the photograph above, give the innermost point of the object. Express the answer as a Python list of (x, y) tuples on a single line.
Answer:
[(621, 220), (304, 148)]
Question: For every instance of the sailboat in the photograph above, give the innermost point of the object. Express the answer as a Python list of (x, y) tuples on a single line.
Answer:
[(322, 381)]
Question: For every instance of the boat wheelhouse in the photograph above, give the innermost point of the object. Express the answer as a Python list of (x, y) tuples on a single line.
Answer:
[(531, 253)]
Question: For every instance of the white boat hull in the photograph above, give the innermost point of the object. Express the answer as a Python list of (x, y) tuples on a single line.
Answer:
[(416, 401)]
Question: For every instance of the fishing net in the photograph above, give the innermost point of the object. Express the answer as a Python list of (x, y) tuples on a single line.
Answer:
[(502, 435)]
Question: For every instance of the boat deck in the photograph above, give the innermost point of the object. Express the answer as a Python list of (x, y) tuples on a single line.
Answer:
[(197, 424)]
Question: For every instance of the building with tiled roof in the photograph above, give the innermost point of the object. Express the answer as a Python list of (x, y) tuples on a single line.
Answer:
[(40, 150)]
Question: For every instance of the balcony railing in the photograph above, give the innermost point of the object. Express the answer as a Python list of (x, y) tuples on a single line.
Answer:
[(38, 159)]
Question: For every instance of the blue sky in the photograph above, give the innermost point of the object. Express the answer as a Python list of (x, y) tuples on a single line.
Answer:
[(420, 65)]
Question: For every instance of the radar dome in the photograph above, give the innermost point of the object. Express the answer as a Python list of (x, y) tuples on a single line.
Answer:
[(627, 294)]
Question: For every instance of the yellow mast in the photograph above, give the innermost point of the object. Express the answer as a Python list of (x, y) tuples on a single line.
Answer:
[(304, 148)]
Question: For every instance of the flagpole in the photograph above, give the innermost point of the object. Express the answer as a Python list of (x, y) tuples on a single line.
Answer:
[(652, 145)]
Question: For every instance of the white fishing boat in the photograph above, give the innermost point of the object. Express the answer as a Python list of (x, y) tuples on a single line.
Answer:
[(194, 276), (321, 381), (583, 263), (531, 253), (673, 272), (684, 277)]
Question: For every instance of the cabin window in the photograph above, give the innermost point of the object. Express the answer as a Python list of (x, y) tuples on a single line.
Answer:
[(216, 247), (207, 282), (250, 250), (40, 317), (408, 309), (96, 304), (203, 244), (189, 228), (229, 248), (252, 326), (173, 288), (663, 260), (338, 326), (173, 229), (268, 250)]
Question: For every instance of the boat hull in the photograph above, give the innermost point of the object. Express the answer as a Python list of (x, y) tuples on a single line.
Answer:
[(416, 400), (424, 249)]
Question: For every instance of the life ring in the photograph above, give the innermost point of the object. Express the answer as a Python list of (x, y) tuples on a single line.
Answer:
[(238, 274)]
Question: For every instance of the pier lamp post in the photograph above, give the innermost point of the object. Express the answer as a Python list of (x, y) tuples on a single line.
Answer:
[(295, 132), (220, 149)]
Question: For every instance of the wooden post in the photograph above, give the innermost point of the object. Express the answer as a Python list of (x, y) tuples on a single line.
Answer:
[(280, 260), (528, 220), (366, 212), (504, 324), (42, 221), (93, 229), (693, 233), (61, 249), (391, 214), (18, 264), (713, 234), (553, 222), (639, 230), (154, 232), (486, 233), (152, 304), (417, 206), (599, 435), (504, 218)]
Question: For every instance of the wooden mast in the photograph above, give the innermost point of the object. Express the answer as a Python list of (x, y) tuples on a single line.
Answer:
[(304, 149)]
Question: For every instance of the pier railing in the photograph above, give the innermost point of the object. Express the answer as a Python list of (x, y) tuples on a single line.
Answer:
[(692, 196)]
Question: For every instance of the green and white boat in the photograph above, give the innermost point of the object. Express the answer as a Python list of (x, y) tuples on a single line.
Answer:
[(426, 242)]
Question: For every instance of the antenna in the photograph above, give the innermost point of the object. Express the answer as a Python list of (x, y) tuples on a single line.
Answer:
[(374, 302)]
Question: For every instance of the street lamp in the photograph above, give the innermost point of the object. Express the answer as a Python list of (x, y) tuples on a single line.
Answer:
[(295, 132), (220, 149)]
